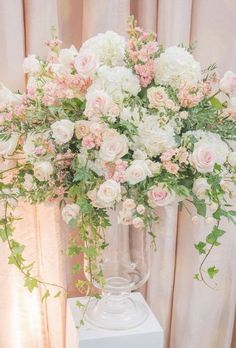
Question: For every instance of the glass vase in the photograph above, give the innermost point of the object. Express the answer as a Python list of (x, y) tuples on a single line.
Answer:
[(125, 265)]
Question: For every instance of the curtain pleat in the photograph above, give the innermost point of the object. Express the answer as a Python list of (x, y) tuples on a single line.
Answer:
[(191, 314)]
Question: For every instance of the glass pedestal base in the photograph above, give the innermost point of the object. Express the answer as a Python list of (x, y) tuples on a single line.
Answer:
[(116, 310)]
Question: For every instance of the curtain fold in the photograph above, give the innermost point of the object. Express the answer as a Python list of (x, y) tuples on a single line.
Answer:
[(191, 314)]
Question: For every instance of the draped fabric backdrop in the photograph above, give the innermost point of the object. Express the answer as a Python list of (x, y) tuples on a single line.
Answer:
[(191, 314)]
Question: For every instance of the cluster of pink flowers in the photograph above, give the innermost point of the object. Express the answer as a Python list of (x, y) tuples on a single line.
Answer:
[(191, 95), (171, 156), (116, 171), (142, 48)]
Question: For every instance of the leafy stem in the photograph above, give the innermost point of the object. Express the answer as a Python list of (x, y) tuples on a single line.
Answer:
[(19, 264)]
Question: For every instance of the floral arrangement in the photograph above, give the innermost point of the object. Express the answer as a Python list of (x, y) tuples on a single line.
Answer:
[(123, 123)]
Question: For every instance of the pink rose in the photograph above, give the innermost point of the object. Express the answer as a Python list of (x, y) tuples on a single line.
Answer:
[(160, 195), (228, 82), (141, 209), (129, 204), (157, 97), (113, 148), (82, 128), (138, 222), (203, 157), (98, 103), (86, 63), (125, 217)]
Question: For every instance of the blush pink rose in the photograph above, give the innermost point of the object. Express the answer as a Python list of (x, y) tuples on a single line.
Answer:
[(86, 63), (160, 196), (228, 82), (113, 148), (203, 157)]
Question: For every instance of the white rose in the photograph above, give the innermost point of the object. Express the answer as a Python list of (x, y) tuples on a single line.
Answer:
[(58, 69), (200, 187), (86, 63), (160, 196), (7, 97), (138, 222), (62, 131), (113, 148), (7, 147), (129, 204), (137, 172), (69, 212), (228, 82), (31, 142), (31, 64), (232, 159), (125, 217), (176, 65), (108, 193), (141, 209), (43, 170), (67, 56), (28, 182), (98, 103)]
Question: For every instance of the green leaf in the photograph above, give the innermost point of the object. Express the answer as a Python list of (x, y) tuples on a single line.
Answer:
[(216, 103), (83, 174), (3, 235), (76, 268), (200, 206), (90, 252), (197, 276), (212, 237), (212, 271), (45, 296), (74, 250), (200, 247), (31, 283)]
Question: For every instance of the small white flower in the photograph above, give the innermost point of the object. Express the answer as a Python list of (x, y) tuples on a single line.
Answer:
[(43, 170), (62, 131), (200, 188), (228, 82), (31, 65), (70, 211), (67, 56), (28, 182), (8, 147)]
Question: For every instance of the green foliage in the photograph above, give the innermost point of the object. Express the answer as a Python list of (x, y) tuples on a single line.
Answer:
[(212, 237), (212, 271), (200, 247)]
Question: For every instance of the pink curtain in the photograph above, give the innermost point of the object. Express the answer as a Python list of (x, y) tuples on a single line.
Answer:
[(192, 315)]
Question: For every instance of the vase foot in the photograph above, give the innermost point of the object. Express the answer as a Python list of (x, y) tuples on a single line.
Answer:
[(116, 312)]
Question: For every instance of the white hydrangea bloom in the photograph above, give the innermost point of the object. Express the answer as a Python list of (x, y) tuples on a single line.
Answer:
[(118, 82), (154, 139), (176, 65), (109, 48)]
